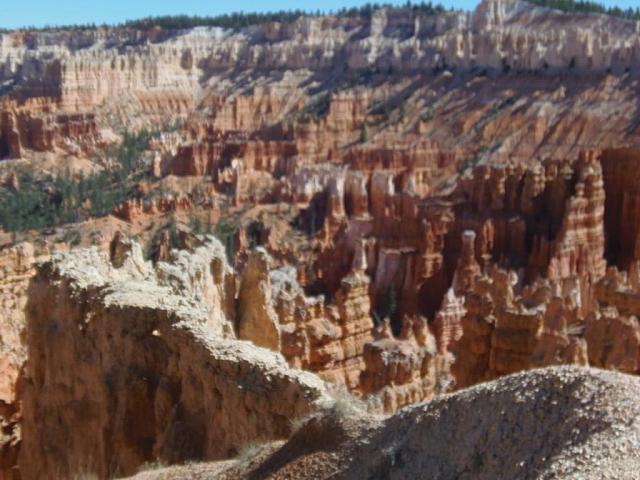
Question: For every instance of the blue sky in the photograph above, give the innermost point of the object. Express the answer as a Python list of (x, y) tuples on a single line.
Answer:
[(18, 13)]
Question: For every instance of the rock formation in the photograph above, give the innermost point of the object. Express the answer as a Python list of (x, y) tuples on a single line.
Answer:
[(41, 126), (621, 205), (156, 372), (257, 320), (16, 268), (64, 83), (613, 341), (405, 370), (326, 339), (448, 321), (133, 209)]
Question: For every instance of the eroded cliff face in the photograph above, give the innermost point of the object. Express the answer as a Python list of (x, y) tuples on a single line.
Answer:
[(543, 220), (519, 249), (300, 92), (621, 205), (338, 340), (499, 33), (257, 319), (40, 125), (576, 308), (16, 268), (139, 360), (325, 338)]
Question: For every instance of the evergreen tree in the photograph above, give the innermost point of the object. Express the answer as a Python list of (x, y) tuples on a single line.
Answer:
[(364, 135), (239, 20), (46, 201)]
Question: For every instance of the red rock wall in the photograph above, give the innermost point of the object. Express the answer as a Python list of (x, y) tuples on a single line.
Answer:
[(622, 212), (40, 128)]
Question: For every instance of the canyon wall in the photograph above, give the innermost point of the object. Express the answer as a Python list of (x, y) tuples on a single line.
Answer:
[(570, 313), (155, 348), (43, 128), (498, 33), (526, 78), (521, 251)]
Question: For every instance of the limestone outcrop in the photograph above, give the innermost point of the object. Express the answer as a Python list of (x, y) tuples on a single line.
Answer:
[(134, 209), (498, 33), (40, 126), (257, 320), (407, 369), (328, 339), (141, 360)]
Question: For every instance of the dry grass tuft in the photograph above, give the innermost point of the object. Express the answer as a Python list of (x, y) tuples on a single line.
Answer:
[(249, 452)]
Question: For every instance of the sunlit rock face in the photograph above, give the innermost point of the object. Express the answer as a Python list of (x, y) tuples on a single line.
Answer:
[(242, 86), (157, 370)]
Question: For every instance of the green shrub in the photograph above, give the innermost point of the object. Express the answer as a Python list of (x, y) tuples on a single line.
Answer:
[(72, 237), (364, 135), (174, 239), (226, 233)]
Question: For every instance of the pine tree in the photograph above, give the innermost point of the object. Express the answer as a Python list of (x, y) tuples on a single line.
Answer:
[(364, 135)]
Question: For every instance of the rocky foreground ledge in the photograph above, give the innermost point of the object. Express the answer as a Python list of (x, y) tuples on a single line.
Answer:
[(127, 364), (556, 422)]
